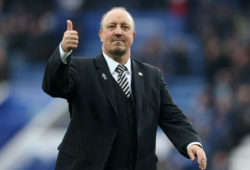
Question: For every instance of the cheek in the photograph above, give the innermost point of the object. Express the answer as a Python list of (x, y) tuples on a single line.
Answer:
[(129, 36), (129, 39), (107, 36), (107, 39), (104, 37)]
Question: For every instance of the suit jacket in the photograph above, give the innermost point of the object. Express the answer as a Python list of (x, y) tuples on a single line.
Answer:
[(87, 85)]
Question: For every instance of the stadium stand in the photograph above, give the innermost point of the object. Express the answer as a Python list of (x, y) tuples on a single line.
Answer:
[(202, 47)]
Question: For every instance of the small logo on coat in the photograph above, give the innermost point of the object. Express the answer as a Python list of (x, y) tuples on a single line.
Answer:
[(104, 76), (140, 74)]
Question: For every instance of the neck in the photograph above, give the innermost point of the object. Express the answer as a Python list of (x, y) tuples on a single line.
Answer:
[(122, 59)]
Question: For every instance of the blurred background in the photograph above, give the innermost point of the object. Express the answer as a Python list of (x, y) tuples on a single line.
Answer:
[(202, 48)]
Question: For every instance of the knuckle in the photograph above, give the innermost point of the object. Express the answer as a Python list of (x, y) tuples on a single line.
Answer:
[(66, 33), (66, 37)]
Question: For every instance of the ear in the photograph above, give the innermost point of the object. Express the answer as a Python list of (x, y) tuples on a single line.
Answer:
[(100, 35), (134, 35)]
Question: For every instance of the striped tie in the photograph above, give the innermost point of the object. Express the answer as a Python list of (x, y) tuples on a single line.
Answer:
[(122, 79)]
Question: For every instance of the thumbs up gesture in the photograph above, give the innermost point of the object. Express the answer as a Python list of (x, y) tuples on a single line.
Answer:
[(70, 38)]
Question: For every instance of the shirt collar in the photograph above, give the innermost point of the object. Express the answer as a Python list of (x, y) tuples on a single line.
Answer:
[(112, 64)]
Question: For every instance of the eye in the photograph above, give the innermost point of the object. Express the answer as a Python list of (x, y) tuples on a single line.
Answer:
[(125, 27), (111, 26)]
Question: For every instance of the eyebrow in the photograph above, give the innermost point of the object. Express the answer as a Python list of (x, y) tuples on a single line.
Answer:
[(124, 23)]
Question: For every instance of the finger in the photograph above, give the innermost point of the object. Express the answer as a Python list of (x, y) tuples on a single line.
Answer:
[(204, 163), (69, 25), (191, 155), (73, 42), (202, 160), (73, 46), (73, 32), (199, 158), (72, 37)]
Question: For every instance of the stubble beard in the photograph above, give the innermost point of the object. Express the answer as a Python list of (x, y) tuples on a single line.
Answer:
[(118, 54)]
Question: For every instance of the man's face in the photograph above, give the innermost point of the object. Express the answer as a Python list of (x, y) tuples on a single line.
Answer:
[(117, 33)]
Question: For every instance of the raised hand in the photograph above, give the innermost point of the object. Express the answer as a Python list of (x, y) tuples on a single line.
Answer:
[(70, 38)]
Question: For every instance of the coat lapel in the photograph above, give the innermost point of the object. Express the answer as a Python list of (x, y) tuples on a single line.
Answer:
[(106, 80), (138, 82)]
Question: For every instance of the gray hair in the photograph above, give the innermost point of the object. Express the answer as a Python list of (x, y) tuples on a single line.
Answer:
[(122, 8)]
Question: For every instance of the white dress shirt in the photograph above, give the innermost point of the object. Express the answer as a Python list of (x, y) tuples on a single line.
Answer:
[(112, 64)]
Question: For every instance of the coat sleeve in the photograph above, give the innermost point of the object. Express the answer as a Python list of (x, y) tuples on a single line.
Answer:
[(174, 123), (60, 80)]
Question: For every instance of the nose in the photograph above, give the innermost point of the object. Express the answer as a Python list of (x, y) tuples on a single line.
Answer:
[(118, 31)]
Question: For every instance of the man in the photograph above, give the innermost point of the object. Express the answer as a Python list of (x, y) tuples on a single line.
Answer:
[(115, 104)]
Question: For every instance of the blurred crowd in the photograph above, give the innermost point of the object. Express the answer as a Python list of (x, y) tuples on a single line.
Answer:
[(221, 113)]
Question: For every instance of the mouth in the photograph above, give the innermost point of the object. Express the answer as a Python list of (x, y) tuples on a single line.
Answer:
[(118, 39), (117, 43)]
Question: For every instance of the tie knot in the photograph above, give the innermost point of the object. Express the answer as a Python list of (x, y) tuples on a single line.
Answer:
[(120, 68)]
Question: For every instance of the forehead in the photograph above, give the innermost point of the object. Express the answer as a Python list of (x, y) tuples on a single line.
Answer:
[(117, 16)]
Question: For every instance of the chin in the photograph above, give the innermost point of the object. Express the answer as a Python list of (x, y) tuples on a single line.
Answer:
[(118, 52)]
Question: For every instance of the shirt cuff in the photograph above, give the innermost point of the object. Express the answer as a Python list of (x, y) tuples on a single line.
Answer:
[(194, 143), (63, 55)]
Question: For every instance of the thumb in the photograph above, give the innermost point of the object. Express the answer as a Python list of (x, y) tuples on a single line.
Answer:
[(69, 25)]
